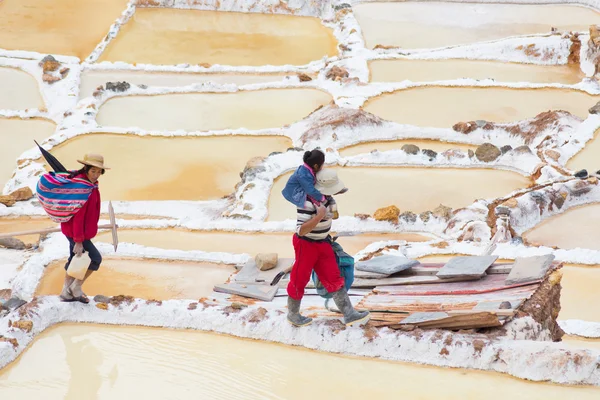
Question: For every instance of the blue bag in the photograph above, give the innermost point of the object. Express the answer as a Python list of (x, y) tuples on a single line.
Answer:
[(345, 263)]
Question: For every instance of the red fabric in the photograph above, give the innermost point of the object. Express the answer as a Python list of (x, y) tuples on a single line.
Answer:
[(84, 224), (313, 255)]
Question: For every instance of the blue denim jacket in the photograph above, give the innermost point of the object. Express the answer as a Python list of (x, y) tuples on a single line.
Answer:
[(300, 184)]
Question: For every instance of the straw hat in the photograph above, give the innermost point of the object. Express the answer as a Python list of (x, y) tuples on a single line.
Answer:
[(93, 160), (328, 182)]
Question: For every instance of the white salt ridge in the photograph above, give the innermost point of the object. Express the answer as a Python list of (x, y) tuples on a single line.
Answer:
[(581, 328), (527, 359), (112, 32), (525, 165), (10, 261), (504, 50)]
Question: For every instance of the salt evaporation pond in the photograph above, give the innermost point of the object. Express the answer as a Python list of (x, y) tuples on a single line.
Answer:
[(92, 79), (145, 279), (171, 36), (239, 243), (20, 90), (66, 27), (432, 24), (435, 145), (440, 70), (189, 168), (410, 189), (110, 362), (588, 157), (26, 224), (442, 107), (575, 228), (20, 133), (580, 296), (260, 109)]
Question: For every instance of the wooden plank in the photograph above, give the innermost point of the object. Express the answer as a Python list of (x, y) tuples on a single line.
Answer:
[(487, 284), (404, 280), (368, 275), (432, 269), (260, 292), (499, 313), (469, 321), (250, 274)]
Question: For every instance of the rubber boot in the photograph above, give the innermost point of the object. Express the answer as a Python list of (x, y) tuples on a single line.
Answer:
[(66, 294), (76, 288), (351, 316), (294, 316)]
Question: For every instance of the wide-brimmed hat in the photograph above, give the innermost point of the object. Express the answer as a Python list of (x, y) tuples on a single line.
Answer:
[(93, 160), (328, 182)]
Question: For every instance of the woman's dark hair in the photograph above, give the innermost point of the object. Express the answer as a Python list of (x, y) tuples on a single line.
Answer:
[(84, 170), (314, 157)]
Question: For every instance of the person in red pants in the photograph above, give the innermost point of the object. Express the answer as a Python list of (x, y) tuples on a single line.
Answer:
[(312, 247)]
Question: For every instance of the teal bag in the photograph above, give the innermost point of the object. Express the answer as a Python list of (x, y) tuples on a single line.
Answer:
[(345, 263)]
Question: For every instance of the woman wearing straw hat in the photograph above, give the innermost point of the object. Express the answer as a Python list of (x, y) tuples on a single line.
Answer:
[(312, 247), (83, 226)]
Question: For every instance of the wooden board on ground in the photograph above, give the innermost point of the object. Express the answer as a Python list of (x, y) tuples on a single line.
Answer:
[(369, 275), (432, 269), (487, 284), (466, 321), (250, 274), (467, 266), (260, 292), (404, 280)]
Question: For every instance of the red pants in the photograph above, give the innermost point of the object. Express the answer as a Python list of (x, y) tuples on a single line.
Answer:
[(313, 255)]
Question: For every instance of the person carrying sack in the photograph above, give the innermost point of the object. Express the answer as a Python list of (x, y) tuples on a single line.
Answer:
[(73, 200), (313, 251)]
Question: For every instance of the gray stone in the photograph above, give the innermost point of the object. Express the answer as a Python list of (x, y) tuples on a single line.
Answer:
[(487, 152), (118, 86), (260, 292), (502, 210), (420, 317), (13, 303), (409, 217), (425, 216), (595, 109), (101, 299), (529, 269), (522, 150), (386, 264), (582, 174), (467, 267), (410, 149), (471, 153), (341, 6), (12, 243), (429, 153), (481, 123), (506, 149)]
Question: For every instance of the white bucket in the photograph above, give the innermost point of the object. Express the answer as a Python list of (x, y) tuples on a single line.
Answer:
[(79, 266)]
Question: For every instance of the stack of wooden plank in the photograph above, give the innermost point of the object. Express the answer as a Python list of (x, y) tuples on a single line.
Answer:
[(465, 293)]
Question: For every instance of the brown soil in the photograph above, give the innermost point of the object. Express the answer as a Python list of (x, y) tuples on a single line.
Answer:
[(544, 305)]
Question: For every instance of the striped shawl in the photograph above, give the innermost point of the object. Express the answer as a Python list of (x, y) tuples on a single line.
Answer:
[(61, 196)]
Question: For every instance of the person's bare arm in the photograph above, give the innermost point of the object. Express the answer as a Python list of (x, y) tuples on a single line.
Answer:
[(311, 223)]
